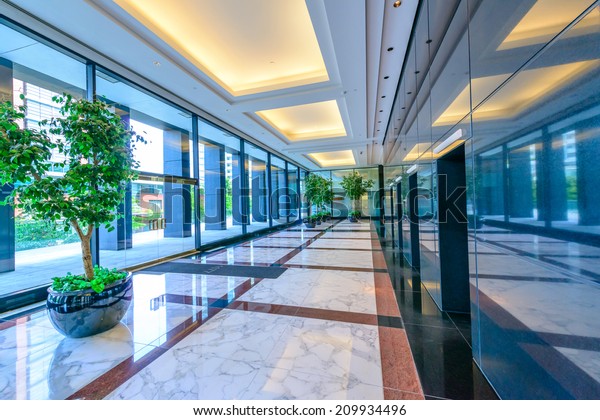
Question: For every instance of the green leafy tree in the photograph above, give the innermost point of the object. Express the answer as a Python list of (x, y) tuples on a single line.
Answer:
[(98, 162), (355, 187), (317, 191)]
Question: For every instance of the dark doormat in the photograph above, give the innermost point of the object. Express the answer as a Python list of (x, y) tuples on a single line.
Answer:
[(217, 270)]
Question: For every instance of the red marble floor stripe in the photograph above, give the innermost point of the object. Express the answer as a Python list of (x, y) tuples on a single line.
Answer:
[(379, 260), (305, 312), (397, 364), (397, 395), (375, 244), (267, 308), (384, 296)]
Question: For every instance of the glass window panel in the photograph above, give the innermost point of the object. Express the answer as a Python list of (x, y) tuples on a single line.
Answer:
[(32, 251), (221, 200), (256, 170), (157, 216)]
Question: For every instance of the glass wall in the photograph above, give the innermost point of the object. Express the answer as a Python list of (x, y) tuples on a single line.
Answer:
[(226, 196), (32, 251), (525, 104), (279, 198), (294, 202), (256, 169), (157, 215), (220, 183)]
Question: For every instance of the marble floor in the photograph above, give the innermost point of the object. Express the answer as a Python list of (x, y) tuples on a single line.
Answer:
[(329, 327)]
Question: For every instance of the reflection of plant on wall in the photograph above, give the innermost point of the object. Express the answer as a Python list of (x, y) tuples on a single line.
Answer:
[(355, 187)]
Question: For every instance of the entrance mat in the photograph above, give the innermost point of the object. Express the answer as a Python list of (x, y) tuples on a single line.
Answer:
[(217, 270)]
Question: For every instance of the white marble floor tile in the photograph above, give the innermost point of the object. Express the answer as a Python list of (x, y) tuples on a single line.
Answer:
[(64, 368), (182, 375), (328, 258), (236, 335), (346, 235), (342, 243), (285, 242), (25, 339), (304, 234), (250, 255), (330, 348), (208, 286), (291, 288), (283, 384), (350, 291)]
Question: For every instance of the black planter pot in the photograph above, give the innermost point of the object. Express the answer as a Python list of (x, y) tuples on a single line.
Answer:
[(352, 219), (309, 225), (85, 312)]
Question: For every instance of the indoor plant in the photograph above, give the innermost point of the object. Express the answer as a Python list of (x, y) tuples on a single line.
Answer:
[(355, 187), (97, 150), (318, 192)]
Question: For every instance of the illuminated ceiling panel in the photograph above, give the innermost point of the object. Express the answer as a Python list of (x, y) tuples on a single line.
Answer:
[(546, 18), (307, 122), (245, 46), (331, 159), (519, 94)]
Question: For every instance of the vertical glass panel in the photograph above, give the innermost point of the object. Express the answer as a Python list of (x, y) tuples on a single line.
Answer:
[(505, 34), (279, 197), (304, 208), (292, 212), (32, 251), (165, 127), (538, 242), (256, 169), (449, 75), (221, 203), (157, 215)]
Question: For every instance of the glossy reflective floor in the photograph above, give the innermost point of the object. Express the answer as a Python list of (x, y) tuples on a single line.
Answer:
[(440, 341), (320, 322)]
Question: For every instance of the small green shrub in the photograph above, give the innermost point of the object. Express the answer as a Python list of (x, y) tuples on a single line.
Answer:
[(102, 278)]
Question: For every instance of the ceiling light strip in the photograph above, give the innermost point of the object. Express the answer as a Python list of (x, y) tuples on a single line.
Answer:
[(457, 135)]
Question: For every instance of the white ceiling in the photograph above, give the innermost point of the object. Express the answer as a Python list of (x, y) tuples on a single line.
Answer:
[(354, 37)]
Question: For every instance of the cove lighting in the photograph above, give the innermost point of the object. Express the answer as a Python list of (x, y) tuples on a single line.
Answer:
[(412, 169)]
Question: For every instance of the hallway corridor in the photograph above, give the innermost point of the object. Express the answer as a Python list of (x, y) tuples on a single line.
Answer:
[(298, 314)]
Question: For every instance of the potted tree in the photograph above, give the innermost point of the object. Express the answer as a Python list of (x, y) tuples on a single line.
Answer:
[(98, 163), (355, 187), (318, 192)]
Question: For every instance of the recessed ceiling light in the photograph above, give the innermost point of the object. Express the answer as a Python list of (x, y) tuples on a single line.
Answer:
[(397, 3), (391, 49)]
